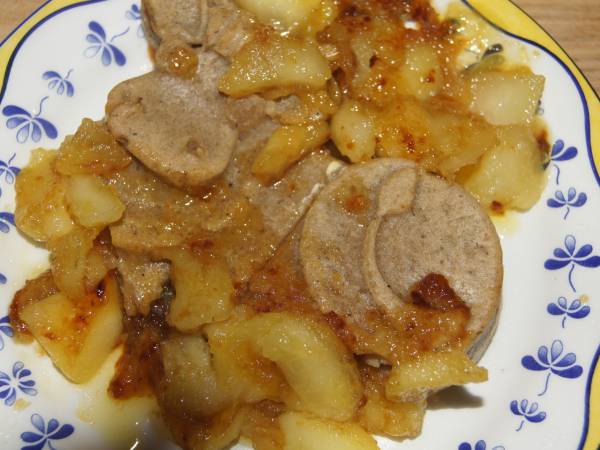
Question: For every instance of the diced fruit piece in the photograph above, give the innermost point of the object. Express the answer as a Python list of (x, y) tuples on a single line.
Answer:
[(78, 335), (275, 62), (307, 16), (353, 132), (506, 97), (287, 145), (317, 366), (303, 432), (203, 290), (68, 260), (510, 176), (41, 212), (91, 202), (91, 150), (191, 385), (409, 380)]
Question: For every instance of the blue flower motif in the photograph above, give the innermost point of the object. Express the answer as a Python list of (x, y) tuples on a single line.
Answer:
[(560, 153), (479, 445), (571, 256), (46, 433), (3, 279), (19, 380), (8, 170), (28, 125), (552, 360), (5, 328), (62, 84), (6, 219), (107, 50), (134, 13), (575, 310), (530, 413), (572, 199)]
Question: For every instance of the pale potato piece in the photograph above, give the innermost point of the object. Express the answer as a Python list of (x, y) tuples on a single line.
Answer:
[(68, 260), (510, 176), (203, 290), (78, 335), (421, 73), (275, 62), (191, 384), (92, 202), (303, 432), (429, 371), (300, 16), (41, 212), (91, 150), (400, 420), (245, 374), (353, 132), (287, 145), (506, 97), (96, 268), (318, 367)]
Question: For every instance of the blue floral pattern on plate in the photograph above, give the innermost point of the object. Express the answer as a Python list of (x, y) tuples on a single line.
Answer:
[(107, 50), (479, 445), (29, 125), (61, 84), (530, 412), (574, 310), (571, 200), (45, 434), (6, 219), (135, 13), (6, 329), (19, 381), (561, 153), (572, 256), (552, 360)]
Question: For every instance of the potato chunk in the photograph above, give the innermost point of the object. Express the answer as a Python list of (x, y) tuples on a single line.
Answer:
[(92, 202), (421, 75), (286, 146), (68, 260), (506, 97), (353, 132), (307, 16), (410, 380), (91, 150), (512, 174), (203, 290), (78, 335), (320, 370), (303, 432), (275, 62), (191, 384), (41, 211)]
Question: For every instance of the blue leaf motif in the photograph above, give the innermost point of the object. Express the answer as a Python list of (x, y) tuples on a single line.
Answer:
[(6, 219), (29, 125), (6, 329), (559, 153), (3, 279), (572, 257), (53, 431), (552, 360), (19, 380), (109, 52), (528, 412), (574, 310), (62, 84), (572, 200)]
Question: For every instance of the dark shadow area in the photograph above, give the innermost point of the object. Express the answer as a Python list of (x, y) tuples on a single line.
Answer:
[(455, 397)]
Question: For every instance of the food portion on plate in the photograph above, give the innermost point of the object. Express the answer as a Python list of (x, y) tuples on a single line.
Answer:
[(286, 223)]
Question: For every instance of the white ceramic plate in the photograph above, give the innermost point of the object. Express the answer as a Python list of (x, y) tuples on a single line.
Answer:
[(59, 66)]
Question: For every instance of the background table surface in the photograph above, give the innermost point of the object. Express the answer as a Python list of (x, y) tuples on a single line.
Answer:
[(575, 24)]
